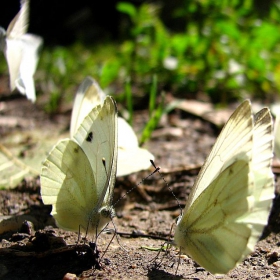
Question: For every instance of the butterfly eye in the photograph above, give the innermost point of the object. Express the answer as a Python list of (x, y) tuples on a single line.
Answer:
[(108, 212)]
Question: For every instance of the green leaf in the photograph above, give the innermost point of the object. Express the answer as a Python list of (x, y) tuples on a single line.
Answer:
[(127, 8)]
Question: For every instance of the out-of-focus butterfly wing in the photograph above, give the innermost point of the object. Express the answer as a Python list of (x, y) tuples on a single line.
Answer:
[(29, 60), (88, 96), (131, 158), (18, 26), (13, 53)]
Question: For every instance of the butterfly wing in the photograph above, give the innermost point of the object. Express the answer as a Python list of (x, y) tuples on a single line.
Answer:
[(28, 64), (98, 138), (18, 26), (230, 144), (30, 57), (224, 221), (131, 157), (207, 231), (74, 179), (21, 52), (88, 96), (67, 184), (13, 54), (262, 193)]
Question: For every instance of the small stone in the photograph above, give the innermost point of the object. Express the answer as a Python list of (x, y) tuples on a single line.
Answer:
[(70, 276), (277, 264)]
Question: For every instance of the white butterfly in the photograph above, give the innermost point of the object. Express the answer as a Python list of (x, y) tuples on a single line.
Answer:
[(21, 52), (131, 157), (78, 175), (230, 202)]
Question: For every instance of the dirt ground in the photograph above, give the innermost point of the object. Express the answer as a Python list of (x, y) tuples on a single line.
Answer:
[(39, 250)]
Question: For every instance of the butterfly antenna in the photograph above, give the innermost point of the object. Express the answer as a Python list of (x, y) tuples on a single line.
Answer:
[(157, 170), (116, 233), (137, 185)]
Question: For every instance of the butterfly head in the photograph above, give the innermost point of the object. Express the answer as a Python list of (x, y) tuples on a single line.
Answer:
[(99, 220), (107, 212)]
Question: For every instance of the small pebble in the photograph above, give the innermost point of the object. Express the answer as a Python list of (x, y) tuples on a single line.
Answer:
[(70, 276)]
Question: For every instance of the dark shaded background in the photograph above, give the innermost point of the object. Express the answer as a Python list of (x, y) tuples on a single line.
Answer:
[(63, 22)]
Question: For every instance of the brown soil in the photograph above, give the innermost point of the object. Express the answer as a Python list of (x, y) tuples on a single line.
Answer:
[(144, 217)]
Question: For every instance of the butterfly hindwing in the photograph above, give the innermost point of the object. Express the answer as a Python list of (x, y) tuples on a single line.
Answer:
[(66, 181), (206, 228), (131, 157)]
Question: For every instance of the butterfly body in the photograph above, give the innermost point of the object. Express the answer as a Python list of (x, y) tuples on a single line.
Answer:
[(78, 175), (231, 199)]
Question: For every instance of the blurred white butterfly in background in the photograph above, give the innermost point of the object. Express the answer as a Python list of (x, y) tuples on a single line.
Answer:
[(78, 175), (131, 157), (230, 202), (21, 52)]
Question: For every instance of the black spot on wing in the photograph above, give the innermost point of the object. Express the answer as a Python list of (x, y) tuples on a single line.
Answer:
[(89, 137)]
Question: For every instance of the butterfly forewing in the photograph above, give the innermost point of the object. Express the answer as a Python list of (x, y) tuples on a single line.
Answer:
[(98, 138), (225, 219), (235, 139), (19, 24)]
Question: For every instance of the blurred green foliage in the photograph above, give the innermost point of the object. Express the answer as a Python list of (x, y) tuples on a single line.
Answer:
[(226, 49)]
